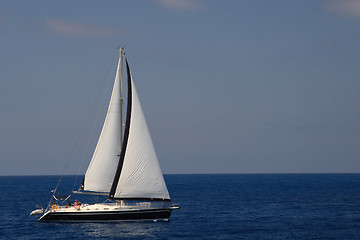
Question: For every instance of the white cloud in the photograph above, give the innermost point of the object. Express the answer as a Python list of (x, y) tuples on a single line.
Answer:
[(184, 5), (78, 29), (348, 8)]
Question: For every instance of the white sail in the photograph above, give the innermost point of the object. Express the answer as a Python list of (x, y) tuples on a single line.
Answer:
[(140, 175), (100, 174)]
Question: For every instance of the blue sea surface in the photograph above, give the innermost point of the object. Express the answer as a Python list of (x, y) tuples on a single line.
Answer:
[(233, 206)]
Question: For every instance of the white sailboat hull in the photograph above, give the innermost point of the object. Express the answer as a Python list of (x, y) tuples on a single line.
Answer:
[(108, 212)]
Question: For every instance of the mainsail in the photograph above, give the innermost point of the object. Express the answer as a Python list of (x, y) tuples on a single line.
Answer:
[(100, 173), (132, 172)]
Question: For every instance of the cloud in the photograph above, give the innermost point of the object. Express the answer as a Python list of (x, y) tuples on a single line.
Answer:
[(78, 29), (182, 5), (347, 8)]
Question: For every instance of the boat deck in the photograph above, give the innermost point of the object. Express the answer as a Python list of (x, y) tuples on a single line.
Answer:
[(103, 207)]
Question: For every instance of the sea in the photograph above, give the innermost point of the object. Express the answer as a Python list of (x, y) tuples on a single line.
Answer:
[(213, 206)]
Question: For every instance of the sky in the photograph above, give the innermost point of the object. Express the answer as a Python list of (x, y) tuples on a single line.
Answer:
[(237, 86)]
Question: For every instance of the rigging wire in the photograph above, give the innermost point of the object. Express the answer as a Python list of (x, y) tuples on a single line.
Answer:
[(81, 133), (97, 116)]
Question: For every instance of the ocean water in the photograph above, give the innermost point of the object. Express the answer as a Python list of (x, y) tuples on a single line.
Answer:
[(234, 206)]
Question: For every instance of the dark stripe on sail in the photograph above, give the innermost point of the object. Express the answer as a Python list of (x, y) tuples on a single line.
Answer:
[(126, 134)]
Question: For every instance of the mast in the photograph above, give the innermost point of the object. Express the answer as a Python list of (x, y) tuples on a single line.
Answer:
[(125, 141)]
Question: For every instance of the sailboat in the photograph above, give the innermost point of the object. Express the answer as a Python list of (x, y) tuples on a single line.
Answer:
[(124, 166)]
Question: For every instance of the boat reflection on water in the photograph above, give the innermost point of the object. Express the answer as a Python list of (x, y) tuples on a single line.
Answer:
[(124, 230)]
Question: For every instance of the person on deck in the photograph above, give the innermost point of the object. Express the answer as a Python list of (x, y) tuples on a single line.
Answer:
[(77, 204)]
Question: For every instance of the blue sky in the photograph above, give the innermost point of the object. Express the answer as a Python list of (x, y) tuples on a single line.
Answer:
[(226, 86)]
